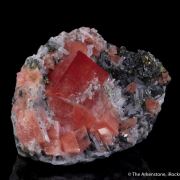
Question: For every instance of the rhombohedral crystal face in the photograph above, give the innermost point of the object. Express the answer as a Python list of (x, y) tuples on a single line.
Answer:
[(80, 98)]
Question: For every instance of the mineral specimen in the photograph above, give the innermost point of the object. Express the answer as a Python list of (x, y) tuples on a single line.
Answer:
[(80, 98)]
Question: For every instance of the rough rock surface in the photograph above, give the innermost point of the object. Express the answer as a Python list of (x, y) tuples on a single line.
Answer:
[(80, 98)]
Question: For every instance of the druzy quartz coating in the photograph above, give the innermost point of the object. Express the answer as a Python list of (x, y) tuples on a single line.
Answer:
[(80, 98)]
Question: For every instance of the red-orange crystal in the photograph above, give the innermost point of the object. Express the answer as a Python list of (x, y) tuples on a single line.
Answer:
[(78, 117)]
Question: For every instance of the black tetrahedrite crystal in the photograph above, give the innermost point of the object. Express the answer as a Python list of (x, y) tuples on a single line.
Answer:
[(141, 65)]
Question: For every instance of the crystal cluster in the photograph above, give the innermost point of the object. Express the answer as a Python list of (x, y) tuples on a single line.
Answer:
[(80, 98)]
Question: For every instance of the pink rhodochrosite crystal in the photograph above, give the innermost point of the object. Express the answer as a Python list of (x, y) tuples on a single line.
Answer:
[(80, 98)]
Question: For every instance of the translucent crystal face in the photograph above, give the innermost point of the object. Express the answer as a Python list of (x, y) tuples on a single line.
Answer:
[(81, 105), (80, 98)]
